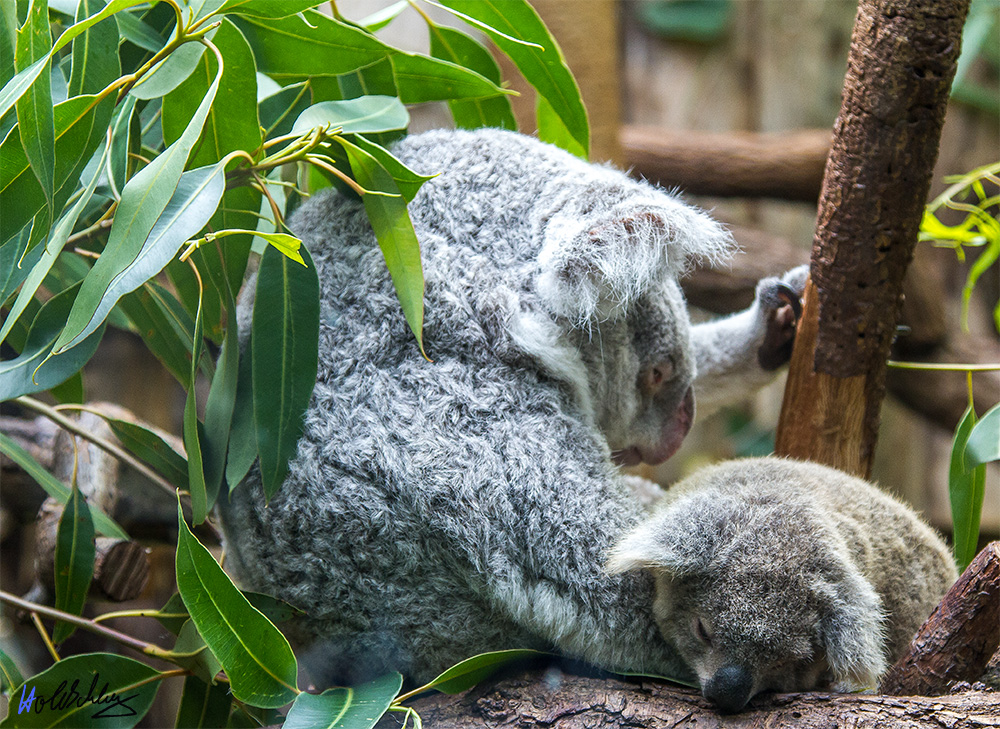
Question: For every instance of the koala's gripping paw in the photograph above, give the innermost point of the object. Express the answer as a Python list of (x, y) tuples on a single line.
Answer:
[(780, 302)]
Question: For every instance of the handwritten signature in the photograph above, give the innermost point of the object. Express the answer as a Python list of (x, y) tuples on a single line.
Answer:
[(66, 696)]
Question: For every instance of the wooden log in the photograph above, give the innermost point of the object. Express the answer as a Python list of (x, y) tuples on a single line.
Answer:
[(902, 60), (959, 638), (787, 165), (551, 699)]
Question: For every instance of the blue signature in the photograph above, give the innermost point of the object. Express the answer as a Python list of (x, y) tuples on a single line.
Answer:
[(67, 696)]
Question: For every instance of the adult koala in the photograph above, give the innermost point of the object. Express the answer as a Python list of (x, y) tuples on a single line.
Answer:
[(438, 509)]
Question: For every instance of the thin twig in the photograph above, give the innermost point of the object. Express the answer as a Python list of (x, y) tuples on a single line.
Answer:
[(46, 638)]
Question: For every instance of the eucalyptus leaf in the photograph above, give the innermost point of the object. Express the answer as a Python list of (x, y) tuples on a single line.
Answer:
[(407, 180), (114, 692), (279, 110), (359, 707), (983, 445), (220, 405), (170, 73), (95, 52), (255, 655), (966, 490), (284, 341), (10, 674), (36, 369), (74, 561), (194, 654), (164, 325), (355, 116), (203, 705), (381, 18), (55, 488), (151, 449), (396, 237), (192, 439), (34, 108), (242, 449), (134, 30), (466, 674), (266, 8)]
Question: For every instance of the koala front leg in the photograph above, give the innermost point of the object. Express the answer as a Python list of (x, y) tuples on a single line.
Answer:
[(738, 354)]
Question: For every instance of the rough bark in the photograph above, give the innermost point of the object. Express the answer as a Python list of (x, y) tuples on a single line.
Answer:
[(959, 638), (787, 166), (537, 698), (900, 67)]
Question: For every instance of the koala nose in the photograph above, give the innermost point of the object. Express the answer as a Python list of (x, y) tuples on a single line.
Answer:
[(729, 689), (655, 376)]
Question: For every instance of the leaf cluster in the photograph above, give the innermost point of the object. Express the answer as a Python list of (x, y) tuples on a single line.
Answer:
[(149, 152)]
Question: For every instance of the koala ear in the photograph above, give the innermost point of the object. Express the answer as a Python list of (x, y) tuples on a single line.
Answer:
[(660, 542), (596, 265), (853, 632)]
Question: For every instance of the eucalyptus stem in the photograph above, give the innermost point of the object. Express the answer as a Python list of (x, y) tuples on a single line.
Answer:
[(46, 638), (940, 367), (102, 443), (148, 649)]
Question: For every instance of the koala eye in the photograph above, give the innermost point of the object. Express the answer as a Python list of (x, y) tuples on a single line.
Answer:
[(702, 632)]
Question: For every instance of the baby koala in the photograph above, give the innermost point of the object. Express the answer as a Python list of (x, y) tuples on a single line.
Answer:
[(783, 575)]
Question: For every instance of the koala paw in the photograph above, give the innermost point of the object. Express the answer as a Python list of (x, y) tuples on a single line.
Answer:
[(780, 302)]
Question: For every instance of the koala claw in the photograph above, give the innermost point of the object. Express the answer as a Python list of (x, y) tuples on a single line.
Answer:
[(791, 297)]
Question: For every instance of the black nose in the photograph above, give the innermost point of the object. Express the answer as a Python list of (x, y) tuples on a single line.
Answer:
[(729, 689)]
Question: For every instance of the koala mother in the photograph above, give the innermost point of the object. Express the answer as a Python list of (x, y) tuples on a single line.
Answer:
[(438, 509)]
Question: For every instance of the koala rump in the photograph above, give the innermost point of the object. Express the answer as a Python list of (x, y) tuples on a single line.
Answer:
[(438, 509), (782, 575)]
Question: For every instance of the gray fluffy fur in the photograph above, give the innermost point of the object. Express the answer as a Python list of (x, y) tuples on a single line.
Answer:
[(800, 576), (441, 508)]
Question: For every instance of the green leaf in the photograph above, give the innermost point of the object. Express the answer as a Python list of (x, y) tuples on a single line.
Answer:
[(220, 404), (22, 81), (421, 78), (74, 561), (8, 40), (81, 124), (463, 676), (128, 262), (192, 440), (275, 610), (34, 108), (193, 653), (381, 18), (455, 46), (10, 674), (113, 692), (173, 615), (545, 69), (983, 445), (966, 490), (203, 706), (95, 52), (255, 655), (266, 8), (171, 72), (280, 110), (284, 342), (134, 30), (396, 237), (358, 708), (36, 369), (406, 180), (242, 437), (552, 129), (57, 239), (55, 488), (151, 449), (164, 325), (360, 115)]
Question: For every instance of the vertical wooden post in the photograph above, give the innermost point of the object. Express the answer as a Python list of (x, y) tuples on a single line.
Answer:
[(899, 73)]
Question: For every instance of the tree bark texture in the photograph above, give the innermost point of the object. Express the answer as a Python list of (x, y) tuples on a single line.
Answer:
[(959, 638), (787, 166), (550, 699), (900, 68)]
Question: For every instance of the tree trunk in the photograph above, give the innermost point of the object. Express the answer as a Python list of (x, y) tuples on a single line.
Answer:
[(900, 68)]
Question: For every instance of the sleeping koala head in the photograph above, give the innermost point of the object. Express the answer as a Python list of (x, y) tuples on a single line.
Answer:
[(615, 323), (756, 593)]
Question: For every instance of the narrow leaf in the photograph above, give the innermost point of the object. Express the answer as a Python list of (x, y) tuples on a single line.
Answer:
[(406, 180), (266, 8), (463, 676), (220, 404), (89, 676), (342, 708), (164, 325), (544, 68), (203, 706), (10, 674), (54, 487), (983, 445), (396, 237), (95, 52), (284, 341), (966, 491), (255, 655), (152, 450), (192, 440), (74, 561), (360, 115), (242, 436)]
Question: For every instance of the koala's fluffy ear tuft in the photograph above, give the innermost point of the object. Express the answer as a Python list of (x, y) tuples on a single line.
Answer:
[(853, 632), (594, 265), (663, 542)]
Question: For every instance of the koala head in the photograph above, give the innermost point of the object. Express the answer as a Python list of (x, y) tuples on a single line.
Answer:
[(756, 595), (610, 256)]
